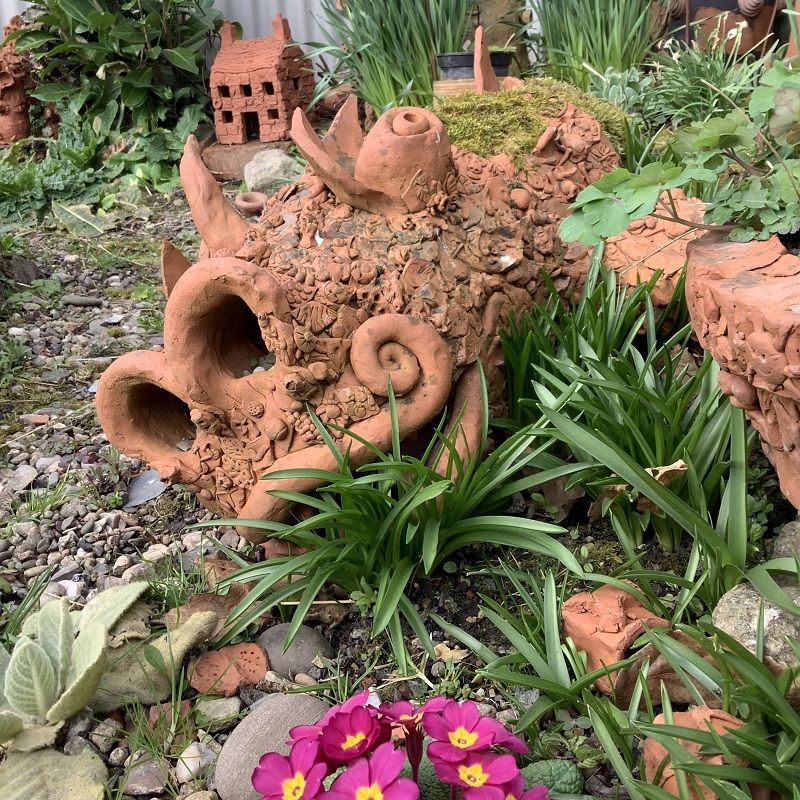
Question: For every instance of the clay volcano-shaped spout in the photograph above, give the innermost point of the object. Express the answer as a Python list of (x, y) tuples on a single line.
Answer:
[(399, 168)]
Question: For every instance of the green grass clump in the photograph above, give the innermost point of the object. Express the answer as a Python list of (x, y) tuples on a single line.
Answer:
[(512, 122)]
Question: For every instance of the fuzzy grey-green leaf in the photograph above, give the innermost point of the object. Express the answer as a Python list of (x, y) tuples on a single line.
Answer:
[(88, 663), (30, 680), (10, 725), (5, 657), (112, 603), (55, 636)]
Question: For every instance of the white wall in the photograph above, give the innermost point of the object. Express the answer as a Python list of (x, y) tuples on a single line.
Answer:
[(8, 8), (254, 15)]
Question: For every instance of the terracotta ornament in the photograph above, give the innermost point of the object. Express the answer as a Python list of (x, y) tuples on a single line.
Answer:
[(395, 258), (651, 245), (655, 756), (604, 624), (717, 19), (15, 82), (744, 302), (257, 83)]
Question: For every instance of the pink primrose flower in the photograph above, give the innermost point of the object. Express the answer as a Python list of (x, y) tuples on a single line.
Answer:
[(350, 734), (460, 729), (375, 778), (515, 790), (297, 776), (478, 770), (315, 731)]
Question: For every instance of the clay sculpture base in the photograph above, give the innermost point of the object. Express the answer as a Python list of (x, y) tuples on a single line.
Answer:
[(396, 258), (744, 302)]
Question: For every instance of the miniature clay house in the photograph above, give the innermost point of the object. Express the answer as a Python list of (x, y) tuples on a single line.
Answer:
[(257, 83)]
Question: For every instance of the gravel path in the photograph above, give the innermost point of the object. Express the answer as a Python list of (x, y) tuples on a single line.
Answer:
[(65, 493)]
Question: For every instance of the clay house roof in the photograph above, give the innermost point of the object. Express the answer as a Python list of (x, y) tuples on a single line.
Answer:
[(243, 55)]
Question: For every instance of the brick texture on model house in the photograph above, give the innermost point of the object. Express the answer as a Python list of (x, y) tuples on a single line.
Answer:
[(257, 83)]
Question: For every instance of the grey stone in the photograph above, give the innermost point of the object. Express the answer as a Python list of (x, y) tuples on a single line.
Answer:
[(81, 300), (218, 713), (144, 487), (194, 762), (24, 475), (203, 796), (787, 542), (300, 655), (269, 169), (737, 614), (264, 730), (118, 756), (146, 778), (105, 735)]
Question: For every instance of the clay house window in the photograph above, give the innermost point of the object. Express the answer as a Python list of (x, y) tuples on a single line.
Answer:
[(224, 91), (272, 113), (227, 116), (247, 89), (296, 83), (269, 87)]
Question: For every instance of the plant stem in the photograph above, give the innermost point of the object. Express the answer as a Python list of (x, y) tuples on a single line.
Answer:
[(699, 225)]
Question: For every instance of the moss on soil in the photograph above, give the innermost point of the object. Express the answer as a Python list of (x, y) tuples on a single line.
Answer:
[(512, 122)]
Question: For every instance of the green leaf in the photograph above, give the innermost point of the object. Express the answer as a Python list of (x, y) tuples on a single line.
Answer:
[(108, 606), (77, 9), (30, 680), (390, 594), (30, 40), (86, 669), (53, 92), (182, 58), (79, 219), (10, 725), (55, 635)]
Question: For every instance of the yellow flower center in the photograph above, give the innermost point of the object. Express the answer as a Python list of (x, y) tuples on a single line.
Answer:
[(473, 775), (410, 717), (369, 792), (293, 788), (353, 739), (462, 738)]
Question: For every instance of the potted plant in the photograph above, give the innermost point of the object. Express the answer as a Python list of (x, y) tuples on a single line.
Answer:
[(449, 22)]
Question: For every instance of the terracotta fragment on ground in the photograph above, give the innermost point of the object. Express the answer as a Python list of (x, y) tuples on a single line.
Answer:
[(604, 624), (654, 754), (224, 671)]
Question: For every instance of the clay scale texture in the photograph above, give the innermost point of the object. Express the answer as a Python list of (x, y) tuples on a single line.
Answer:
[(396, 259), (257, 83), (744, 301)]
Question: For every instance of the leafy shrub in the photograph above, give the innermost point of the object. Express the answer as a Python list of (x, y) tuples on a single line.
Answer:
[(88, 162), (747, 160), (144, 60), (381, 526)]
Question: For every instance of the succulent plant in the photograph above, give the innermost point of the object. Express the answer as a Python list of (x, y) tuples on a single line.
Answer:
[(52, 673)]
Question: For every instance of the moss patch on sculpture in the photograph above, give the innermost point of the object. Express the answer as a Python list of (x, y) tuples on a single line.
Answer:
[(512, 122)]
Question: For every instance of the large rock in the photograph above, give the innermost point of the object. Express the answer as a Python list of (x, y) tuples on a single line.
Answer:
[(264, 730), (269, 169), (300, 655), (737, 614), (787, 542)]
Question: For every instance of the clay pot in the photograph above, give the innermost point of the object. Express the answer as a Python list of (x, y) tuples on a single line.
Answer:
[(251, 204)]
